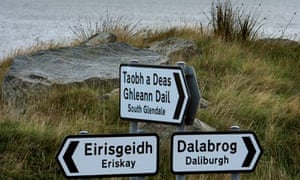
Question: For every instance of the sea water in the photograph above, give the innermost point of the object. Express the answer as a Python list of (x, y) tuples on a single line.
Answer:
[(25, 23)]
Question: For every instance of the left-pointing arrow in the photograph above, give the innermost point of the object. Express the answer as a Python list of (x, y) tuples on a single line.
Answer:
[(68, 157)]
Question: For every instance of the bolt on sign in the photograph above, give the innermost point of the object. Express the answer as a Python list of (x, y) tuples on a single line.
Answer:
[(153, 93)]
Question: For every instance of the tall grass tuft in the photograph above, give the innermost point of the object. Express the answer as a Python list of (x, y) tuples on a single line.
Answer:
[(124, 30), (233, 24), (222, 20)]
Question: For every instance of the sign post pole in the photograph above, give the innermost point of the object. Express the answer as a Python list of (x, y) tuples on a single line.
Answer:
[(83, 133), (180, 128), (133, 124), (134, 128), (155, 93), (235, 176)]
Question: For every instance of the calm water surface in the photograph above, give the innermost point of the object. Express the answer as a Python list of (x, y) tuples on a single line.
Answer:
[(27, 22)]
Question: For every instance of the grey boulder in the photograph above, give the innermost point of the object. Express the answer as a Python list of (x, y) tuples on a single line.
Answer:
[(32, 76), (176, 48)]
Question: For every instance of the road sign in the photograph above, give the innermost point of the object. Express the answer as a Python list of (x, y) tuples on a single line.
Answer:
[(153, 93), (109, 155), (197, 152)]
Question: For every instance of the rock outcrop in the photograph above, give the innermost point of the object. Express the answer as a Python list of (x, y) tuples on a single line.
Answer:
[(91, 64), (100, 38), (175, 48), (33, 75)]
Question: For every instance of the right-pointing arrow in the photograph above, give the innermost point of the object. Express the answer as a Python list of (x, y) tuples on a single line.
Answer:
[(251, 152), (181, 96), (68, 157)]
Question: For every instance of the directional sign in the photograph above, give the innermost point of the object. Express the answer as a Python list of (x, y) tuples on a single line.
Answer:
[(104, 155), (214, 152), (153, 93)]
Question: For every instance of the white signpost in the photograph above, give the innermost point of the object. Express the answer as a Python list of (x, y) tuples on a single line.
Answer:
[(214, 152), (153, 93), (159, 94), (117, 155)]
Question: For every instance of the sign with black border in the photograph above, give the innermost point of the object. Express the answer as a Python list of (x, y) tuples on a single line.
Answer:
[(153, 93), (88, 156), (214, 152)]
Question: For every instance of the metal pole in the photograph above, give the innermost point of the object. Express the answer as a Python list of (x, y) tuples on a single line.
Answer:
[(180, 128), (83, 133), (133, 124), (235, 176), (133, 127)]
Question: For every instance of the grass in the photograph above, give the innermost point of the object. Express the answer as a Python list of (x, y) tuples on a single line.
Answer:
[(233, 24), (253, 90), (248, 82), (126, 32)]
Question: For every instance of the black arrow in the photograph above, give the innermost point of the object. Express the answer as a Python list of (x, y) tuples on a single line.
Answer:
[(181, 96), (251, 152), (68, 157)]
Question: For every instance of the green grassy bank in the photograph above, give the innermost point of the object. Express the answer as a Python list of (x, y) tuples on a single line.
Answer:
[(253, 84)]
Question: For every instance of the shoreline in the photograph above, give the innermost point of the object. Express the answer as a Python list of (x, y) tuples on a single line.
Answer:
[(67, 41)]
